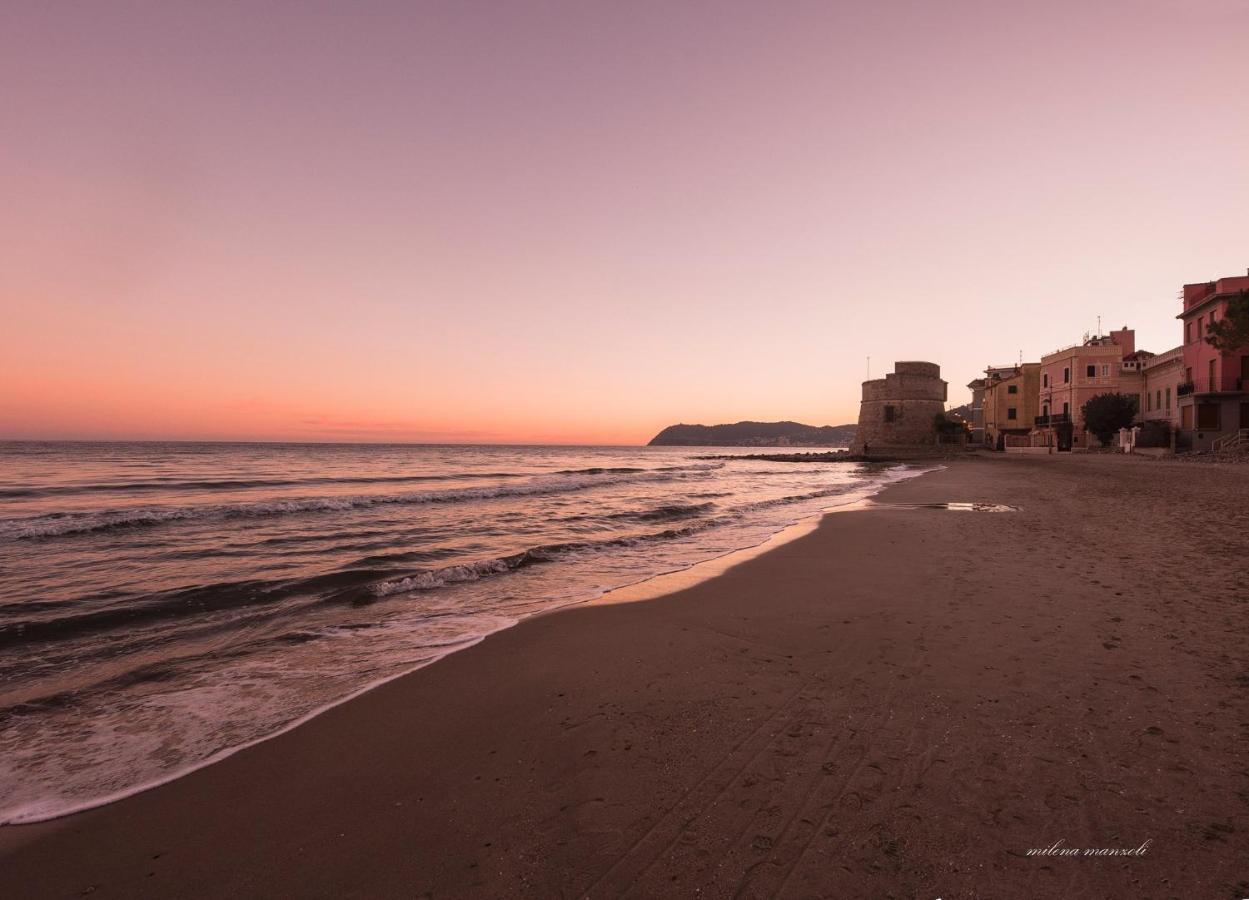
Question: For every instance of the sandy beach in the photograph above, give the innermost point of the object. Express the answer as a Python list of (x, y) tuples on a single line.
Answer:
[(903, 702)]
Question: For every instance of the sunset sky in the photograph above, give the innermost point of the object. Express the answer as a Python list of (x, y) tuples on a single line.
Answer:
[(580, 222)]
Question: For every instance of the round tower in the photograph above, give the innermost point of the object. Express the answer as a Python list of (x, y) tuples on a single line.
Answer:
[(899, 410)]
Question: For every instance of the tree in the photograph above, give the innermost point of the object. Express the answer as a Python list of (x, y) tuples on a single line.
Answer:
[(1105, 414), (1232, 331)]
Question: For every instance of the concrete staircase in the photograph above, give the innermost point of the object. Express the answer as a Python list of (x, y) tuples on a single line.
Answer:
[(1235, 441)]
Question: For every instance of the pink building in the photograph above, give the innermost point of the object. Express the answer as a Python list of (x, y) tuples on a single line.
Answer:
[(1214, 395), (1105, 364)]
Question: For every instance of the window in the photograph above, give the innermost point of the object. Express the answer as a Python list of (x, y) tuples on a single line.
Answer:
[(1010, 413), (1105, 370), (1148, 400), (890, 413), (1212, 376), (1066, 375), (1188, 332), (1208, 416), (1091, 371), (1045, 380), (1158, 400), (1012, 389), (1066, 409), (1168, 399)]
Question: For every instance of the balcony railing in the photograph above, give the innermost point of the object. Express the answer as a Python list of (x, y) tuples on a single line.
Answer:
[(1211, 386), (1054, 419)]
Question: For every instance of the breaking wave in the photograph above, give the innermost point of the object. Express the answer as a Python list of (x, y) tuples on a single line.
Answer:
[(237, 484), (60, 524)]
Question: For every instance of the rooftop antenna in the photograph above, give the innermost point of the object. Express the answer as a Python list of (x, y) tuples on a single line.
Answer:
[(869, 368), (1099, 326)]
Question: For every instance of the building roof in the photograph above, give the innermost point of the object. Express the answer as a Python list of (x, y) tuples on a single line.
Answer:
[(1175, 354), (1221, 289)]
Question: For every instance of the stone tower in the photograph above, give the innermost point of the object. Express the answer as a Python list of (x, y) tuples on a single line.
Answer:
[(898, 410)]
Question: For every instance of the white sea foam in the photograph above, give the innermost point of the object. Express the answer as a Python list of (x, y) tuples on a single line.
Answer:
[(170, 734), (426, 581)]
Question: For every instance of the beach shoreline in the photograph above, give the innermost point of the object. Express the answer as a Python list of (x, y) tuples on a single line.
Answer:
[(903, 699), (647, 587)]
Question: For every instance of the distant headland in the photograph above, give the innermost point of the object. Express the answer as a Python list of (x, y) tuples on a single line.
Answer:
[(755, 434)]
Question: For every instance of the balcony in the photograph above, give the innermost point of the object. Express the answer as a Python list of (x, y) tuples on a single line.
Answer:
[(1183, 390), (1055, 419), (1212, 386)]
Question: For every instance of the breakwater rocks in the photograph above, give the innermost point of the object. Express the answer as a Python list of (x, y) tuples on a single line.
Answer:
[(895, 455), (835, 456)]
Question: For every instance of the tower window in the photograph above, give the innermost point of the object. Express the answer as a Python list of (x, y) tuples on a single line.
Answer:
[(890, 413)]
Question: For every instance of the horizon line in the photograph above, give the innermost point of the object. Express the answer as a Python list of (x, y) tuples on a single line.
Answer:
[(149, 440)]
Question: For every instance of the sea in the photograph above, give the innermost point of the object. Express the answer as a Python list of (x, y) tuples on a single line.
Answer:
[(163, 605)]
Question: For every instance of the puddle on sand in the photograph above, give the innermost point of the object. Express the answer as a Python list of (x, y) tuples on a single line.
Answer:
[(959, 507)]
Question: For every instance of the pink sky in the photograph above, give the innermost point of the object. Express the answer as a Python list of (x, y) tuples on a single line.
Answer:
[(584, 221)]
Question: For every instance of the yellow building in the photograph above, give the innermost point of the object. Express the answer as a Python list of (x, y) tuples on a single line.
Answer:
[(1010, 401)]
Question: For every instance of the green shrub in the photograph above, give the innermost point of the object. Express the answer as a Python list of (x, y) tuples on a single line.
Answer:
[(1105, 414)]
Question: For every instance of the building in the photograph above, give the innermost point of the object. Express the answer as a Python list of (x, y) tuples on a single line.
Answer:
[(1161, 376), (899, 411), (1213, 399), (1104, 364), (1010, 402), (976, 386)]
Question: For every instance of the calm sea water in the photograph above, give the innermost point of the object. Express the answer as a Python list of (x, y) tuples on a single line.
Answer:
[(164, 604)]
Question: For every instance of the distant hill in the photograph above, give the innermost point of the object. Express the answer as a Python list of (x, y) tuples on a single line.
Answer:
[(755, 434), (963, 412)]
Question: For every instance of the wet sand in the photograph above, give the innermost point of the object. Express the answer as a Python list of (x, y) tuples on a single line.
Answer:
[(902, 702)]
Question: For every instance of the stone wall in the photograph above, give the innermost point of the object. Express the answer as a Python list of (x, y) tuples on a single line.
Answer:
[(898, 410)]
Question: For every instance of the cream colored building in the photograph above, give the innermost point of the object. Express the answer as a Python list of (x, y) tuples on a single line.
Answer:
[(1161, 377), (1010, 401)]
